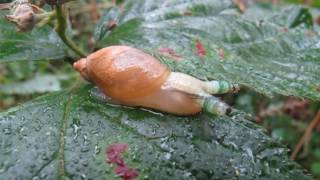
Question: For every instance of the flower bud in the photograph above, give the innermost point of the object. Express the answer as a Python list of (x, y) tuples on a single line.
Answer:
[(24, 17)]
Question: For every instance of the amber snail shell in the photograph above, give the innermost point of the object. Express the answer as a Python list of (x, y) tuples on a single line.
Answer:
[(132, 77)]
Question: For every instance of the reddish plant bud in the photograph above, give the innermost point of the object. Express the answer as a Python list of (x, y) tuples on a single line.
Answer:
[(24, 17)]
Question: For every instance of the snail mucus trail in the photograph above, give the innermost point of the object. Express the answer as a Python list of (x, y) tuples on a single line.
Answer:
[(131, 77)]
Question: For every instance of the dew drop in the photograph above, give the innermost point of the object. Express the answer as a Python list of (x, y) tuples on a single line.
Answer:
[(167, 156), (7, 131), (97, 149)]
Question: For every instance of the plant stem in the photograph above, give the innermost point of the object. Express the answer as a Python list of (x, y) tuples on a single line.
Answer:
[(61, 30), (306, 136)]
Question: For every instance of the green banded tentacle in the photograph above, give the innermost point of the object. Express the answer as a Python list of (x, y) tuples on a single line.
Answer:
[(224, 87), (215, 106), (220, 87)]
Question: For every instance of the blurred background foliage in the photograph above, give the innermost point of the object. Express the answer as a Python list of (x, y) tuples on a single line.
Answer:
[(287, 119)]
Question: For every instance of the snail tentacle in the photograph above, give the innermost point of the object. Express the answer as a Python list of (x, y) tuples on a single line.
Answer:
[(185, 83), (215, 106), (220, 87)]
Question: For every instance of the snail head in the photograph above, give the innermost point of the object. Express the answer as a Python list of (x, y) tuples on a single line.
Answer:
[(81, 66)]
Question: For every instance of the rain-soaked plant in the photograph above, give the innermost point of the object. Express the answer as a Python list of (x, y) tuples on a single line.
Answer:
[(163, 61)]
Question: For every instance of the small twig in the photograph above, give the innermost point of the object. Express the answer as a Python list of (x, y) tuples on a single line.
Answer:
[(94, 10), (306, 136), (47, 20), (61, 30)]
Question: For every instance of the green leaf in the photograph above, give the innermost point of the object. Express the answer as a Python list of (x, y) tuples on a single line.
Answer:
[(290, 17), (270, 56), (315, 168), (66, 134), (38, 84), (40, 44)]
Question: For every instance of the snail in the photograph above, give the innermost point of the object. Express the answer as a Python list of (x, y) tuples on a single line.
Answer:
[(131, 77)]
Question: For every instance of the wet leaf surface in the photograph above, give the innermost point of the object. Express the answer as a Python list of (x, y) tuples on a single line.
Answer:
[(67, 134), (274, 52)]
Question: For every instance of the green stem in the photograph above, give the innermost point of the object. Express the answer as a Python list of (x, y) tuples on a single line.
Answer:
[(61, 30)]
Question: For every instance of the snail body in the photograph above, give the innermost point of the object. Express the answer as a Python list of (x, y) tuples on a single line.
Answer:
[(134, 78)]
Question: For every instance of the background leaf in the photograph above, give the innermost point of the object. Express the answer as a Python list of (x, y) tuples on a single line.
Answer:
[(40, 44), (271, 57), (288, 16), (38, 84), (74, 130)]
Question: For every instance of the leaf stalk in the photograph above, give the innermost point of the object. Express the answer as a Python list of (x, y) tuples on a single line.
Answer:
[(61, 31)]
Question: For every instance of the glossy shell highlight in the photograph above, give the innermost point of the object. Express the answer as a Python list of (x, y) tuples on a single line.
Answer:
[(122, 72)]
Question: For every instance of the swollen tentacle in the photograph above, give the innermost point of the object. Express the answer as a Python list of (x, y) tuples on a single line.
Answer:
[(220, 87), (185, 83), (215, 106)]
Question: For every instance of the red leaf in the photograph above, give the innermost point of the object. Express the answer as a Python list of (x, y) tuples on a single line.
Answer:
[(201, 51), (114, 153), (170, 53), (126, 173), (114, 156)]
